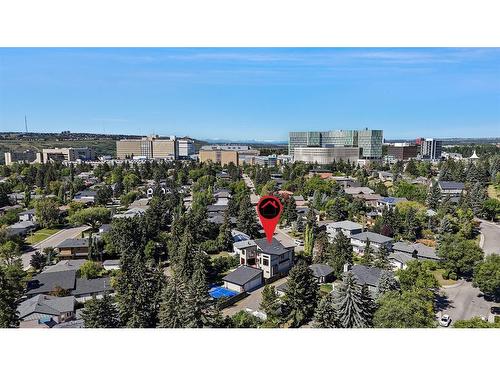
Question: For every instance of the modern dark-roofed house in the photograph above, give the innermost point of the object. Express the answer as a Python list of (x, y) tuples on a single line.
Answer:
[(243, 279), (73, 248), (323, 273), (366, 275), (46, 283), (451, 189), (85, 289)]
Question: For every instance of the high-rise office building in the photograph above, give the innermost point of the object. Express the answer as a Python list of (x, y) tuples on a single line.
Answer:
[(370, 141), (186, 147), (431, 149)]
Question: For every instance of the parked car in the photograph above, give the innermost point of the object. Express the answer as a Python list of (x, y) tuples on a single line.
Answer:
[(445, 320), (495, 310), (299, 242)]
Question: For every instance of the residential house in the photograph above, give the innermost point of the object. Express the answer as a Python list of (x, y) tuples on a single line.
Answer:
[(85, 196), (111, 264), (451, 189), (21, 228), (27, 215), (323, 273), (385, 176), (365, 275), (243, 279), (403, 252), (388, 203), (132, 212), (377, 242), (355, 191), (82, 289), (244, 246), (73, 248), (65, 265), (273, 258), (349, 228), (299, 200), (239, 236), (42, 308)]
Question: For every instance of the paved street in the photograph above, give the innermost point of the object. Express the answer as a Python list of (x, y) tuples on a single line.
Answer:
[(252, 301), (465, 302), (490, 239), (52, 241)]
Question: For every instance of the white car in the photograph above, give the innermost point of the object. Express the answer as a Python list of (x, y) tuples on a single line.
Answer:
[(445, 320), (299, 242)]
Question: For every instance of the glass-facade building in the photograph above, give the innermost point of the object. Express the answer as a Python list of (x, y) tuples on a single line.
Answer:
[(370, 141)]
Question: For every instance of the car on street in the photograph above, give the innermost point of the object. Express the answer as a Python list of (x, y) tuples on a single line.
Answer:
[(299, 242), (445, 320), (495, 310)]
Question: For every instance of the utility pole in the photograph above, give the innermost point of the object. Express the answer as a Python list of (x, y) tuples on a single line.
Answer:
[(25, 124)]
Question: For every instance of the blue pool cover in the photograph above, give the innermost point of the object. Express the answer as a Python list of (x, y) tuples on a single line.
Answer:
[(220, 292)]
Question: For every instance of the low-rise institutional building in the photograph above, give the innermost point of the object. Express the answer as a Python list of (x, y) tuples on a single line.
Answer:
[(326, 155), (151, 147), (222, 157)]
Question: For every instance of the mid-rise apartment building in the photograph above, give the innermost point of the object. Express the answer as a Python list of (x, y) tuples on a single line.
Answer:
[(403, 152), (431, 149), (151, 147)]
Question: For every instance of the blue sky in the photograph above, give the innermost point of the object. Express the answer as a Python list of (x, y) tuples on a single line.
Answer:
[(252, 93)]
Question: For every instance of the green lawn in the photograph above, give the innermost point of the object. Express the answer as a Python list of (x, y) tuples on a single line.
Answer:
[(40, 235), (221, 254), (494, 191), (438, 274), (326, 288)]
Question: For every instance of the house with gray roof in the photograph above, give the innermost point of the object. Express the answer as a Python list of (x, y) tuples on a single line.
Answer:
[(349, 228), (65, 265), (323, 273), (85, 289), (21, 228), (274, 259), (403, 252), (377, 242), (451, 189), (244, 279), (45, 283), (42, 308), (366, 275)]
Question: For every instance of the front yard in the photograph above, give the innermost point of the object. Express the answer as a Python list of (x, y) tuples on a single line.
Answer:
[(41, 235), (438, 274)]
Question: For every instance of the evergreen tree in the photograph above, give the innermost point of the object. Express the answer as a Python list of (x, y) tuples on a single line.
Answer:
[(246, 221), (300, 224), (309, 232), (101, 313), (182, 261), (172, 308), (368, 305), (433, 196), (367, 257), (27, 197), (270, 303), (386, 283), (11, 290), (382, 258), (225, 238), (477, 196), (197, 297), (325, 315), (302, 294), (339, 253), (349, 305)]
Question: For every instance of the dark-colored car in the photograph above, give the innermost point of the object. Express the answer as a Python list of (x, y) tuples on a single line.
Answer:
[(495, 310)]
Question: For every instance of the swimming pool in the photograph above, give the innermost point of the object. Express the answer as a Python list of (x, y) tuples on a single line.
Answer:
[(221, 292)]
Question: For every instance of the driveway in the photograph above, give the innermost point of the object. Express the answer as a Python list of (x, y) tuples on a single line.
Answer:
[(490, 237), (52, 241), (462, 301), (252, 301)]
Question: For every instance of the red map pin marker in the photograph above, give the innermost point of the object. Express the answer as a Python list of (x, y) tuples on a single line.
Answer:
[(269, 209)]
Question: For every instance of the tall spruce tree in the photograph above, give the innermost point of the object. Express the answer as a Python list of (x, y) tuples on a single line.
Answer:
[(325, 315), (368, 305), (101, 313), (197, 297), (339, 253), (302, 294), (433, 196), (247, 217), (173, 304), (367, 257), (386, 283), (349, 304), (270, 303)]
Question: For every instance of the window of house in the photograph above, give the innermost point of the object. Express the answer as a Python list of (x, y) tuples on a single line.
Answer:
[(265, 262)]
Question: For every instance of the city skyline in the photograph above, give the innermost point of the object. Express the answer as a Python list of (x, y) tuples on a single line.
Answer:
[(252, 93)]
